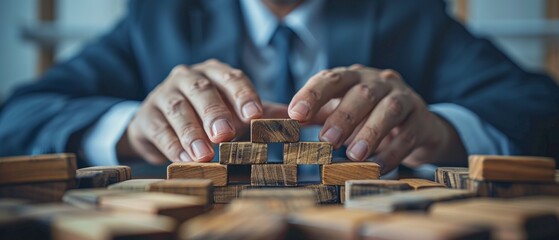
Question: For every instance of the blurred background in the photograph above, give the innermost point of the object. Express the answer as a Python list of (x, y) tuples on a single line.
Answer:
[(36, 33)]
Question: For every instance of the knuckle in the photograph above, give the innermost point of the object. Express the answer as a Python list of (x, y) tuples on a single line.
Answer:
[(367, 92), (191, 130), (215, 110), (371, 132), (245, 93), (212, 61), (175, 106), (313, 94), (346, 116), (330, 76), (389, 74), (234, 75), (180, 69), (200, 84), (394, 105), (356, 66)]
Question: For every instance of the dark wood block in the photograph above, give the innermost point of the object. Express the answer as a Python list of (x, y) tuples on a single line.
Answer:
[(39, 168), (243, 153), (307, 153), (418, 183), (338, 173), (115, 174), (226, 194), (274, 130), (324, 194), (38, 191), (359, 188), (273, 175), (512, 168), (452, 177), (213, 171), (91, 179), (497, 189)]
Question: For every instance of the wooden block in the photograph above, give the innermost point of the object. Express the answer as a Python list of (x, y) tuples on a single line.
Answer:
[(359, 188), (274, 200), (496, 189), (418, 183), (115, 174), (508, 222), (544, 203), (202, 188), (274, 130), (273, 175), (91, 179), (213, 171), (135, 185), (307, 153), (232, 225), (342, 194), (419, 200), (452, 177), (226, 194), (243, 153), (179, 207), (324, 194), (338, 173), (38, 191), (512, 168), (89, 198), (40, 168)]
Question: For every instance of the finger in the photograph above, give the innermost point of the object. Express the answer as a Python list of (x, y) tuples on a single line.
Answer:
[(142, 146), (237, 88), (320, 89), (320, 117), (399, 148), (390, 112), (355, 106), (216, 118)]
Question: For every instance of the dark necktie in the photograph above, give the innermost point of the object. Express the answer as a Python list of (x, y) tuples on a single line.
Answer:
[(284, 87)]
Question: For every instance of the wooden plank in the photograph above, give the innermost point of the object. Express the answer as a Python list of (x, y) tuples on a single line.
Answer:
[(49, 167), (496, 189), (89, 198), (273, 175), (135, 185), (338, 173), (243, 153), (418, 183), (359, 188), (324, 194), (226, 194), (213, 171), (202, 188), (274, 200), (38, 191), (452, 177), (274, 130), (115, 174), (179, 207), (307, 153), (512, 168), (91, 179)]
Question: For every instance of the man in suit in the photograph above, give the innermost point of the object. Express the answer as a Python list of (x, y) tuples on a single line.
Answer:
[(389, 81)]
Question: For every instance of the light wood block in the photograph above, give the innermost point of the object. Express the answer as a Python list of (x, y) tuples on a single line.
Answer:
[(89, 198), (202, 188), (38, 191), (307, 153), (40, 168), (179, 207), (359, 188), (497, 189), (274, 200), (213, 171), (115, 174), (338, 173), (418, 183), (273, 175), (274, 130), (243, 153), (452, 177), (512, 168), (226, 194)]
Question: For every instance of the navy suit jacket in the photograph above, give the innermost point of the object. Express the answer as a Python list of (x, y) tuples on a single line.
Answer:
[(436, 56)]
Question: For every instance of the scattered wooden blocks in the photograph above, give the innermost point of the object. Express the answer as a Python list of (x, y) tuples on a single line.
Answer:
[(307, 153), (418, 183), (452, 177), (274, 130), (273, 175), (512, 168), (25, 169), (497, 189), (114, 174), (338, 173), (243, 153), (213, 171), (359, 188)]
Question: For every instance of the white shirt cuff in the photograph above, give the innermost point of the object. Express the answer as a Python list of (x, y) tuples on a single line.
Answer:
[(99, 142), (478, 136)]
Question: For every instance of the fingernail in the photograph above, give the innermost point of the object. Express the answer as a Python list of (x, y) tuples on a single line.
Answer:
[(221, 127), (358, 150), (302, 108), (184, 157), (250, 110), (200, 149), (332, 135)]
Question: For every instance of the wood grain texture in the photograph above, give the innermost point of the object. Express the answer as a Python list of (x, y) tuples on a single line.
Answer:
[(135, 185), (307, 153), (226, 194), (89, 198), (114, 174), (274, 130), (343, 194), (497, 189), (512, 168), (179, 207), (38, 191), (273, 175), (243, 153), (213, 171), (324, 194), (452, 177), (338, 173), (419, 183), (359, 188), (202, 188), (49, 167), (274, 200), (508, 222), (91, 179)]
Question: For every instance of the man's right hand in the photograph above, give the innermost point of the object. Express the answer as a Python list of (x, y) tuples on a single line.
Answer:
[(192, 107)]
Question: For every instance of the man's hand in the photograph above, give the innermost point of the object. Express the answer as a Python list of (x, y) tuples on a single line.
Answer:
[(193, 107), (376, 113)]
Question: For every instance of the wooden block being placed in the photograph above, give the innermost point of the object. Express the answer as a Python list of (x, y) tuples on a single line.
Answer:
[(213, 171), (135, 185), (496, 189), (115, 174), (228, 193), (40, 168), (273, 175), (338, 173), (452, 177), (307, 153), (38, 191), (418, 183), (243, 153), (179, 207), (274, 130), (359, 188), (512, 168)]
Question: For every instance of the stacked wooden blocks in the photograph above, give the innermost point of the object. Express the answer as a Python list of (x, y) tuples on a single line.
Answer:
[(239, 160)]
